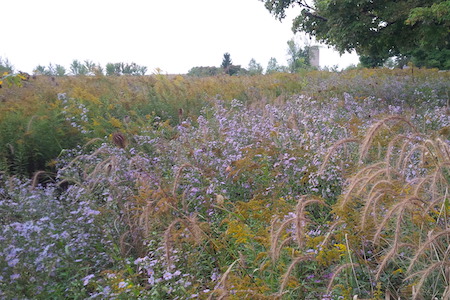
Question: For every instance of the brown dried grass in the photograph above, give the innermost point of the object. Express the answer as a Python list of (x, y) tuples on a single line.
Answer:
[(395, 211)]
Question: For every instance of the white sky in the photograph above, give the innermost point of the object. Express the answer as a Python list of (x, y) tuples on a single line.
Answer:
[(173, 35)]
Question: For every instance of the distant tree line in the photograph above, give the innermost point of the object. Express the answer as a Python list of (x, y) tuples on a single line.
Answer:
[(298, 59), (89, 68)]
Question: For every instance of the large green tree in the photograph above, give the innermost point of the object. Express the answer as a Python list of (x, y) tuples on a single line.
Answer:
[(378, 29)]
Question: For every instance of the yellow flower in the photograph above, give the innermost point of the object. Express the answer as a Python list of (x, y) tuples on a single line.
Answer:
[(341, 248), (115, 122)]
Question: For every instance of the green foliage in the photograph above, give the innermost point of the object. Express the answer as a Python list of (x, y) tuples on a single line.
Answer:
[(33, 138), (298, 57), (12, 79), (234, 70), (228, 67), (40, 70), (379, 30), (204, 71), (371, 61), (56, 70), (60, 70), (5, 66), (432, 59), (125, 69), (254, 68), (7, 74), (226, 61), (110, 69), (438, 13), (273, 67), (78, 68)]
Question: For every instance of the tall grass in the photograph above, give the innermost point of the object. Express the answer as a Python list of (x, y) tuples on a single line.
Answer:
[(394, 209)]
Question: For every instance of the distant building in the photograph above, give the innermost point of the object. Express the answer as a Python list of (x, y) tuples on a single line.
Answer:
[(314, 56)]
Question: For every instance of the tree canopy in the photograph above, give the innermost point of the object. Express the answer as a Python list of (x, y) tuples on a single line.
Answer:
[(377, 29)]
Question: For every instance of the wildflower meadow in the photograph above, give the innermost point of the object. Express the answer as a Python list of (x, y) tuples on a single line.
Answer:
[(315, 185)]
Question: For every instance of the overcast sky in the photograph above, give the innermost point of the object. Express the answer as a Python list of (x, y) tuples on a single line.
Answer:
[(173, 35)]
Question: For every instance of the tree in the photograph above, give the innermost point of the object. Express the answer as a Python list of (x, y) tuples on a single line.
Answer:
[(110, 69), (204, 71), (431, 59), (298, 57), (273, 67), (377, 29), (226, 61), (234, 70), (254, 68), (371, 61), (437, 13), (78, 68), (40, 70), (90, 66), (60, 70), (51, 70), (227, 65), (125, 69)]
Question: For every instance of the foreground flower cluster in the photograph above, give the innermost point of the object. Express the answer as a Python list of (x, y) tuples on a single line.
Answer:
[(299, 198)]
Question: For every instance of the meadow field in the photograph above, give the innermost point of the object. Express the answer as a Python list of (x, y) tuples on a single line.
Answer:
[(316, 185)]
